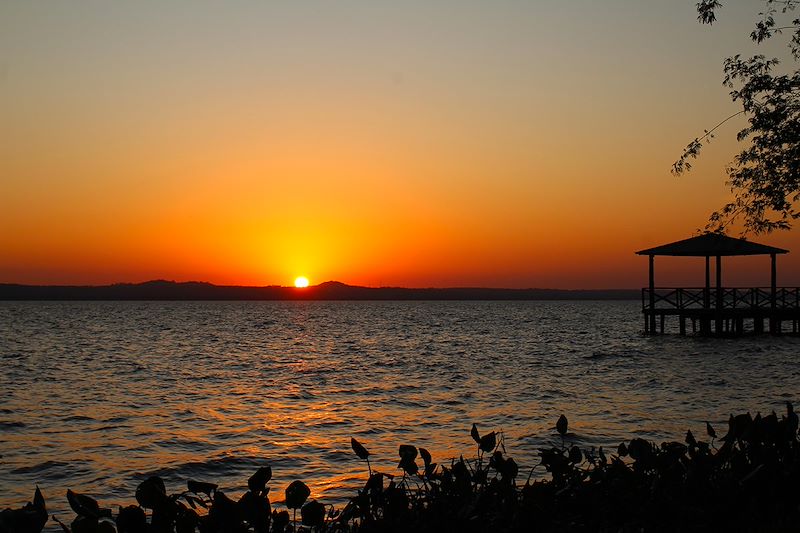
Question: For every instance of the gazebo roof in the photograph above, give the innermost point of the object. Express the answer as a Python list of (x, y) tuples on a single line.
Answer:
[(711, 244)]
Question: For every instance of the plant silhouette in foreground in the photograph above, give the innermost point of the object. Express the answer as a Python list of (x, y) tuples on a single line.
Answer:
[(750, 481)]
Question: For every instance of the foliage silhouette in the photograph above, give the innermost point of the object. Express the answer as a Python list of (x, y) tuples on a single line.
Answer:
[(765, 175), (749, 482)]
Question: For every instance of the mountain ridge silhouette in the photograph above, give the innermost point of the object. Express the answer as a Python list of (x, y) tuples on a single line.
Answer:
[(330, 290)]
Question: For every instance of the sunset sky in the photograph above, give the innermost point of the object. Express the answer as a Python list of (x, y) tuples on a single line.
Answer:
[(448, 143)]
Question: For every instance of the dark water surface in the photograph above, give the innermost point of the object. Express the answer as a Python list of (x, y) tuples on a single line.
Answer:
[(97, 396)]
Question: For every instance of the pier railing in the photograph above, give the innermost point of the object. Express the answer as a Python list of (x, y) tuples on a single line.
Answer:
[(731, 298)]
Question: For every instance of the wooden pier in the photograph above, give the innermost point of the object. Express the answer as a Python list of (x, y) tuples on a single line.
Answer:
[(720, 310), (727, 311)]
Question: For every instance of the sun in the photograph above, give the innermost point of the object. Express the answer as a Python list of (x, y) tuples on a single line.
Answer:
[(301, 282)]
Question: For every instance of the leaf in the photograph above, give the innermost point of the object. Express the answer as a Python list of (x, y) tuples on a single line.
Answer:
[(38, 500), (361, 452), (375, 483), (224, 510), (510, 469), (622, 450), (408, 452), (561, 425), (710, 431), (575, 455), (426, 457), (690, 440), (409, 465), (201, 487), (313, 514), (430, 469), (488, 442), (131, 519), (639, 449), (151, 493), (280, 520), (259, 480), (296, 494), (256, 510), (475, 435), (187, 521), (83, 505)]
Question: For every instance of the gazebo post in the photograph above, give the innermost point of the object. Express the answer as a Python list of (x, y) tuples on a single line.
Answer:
[(773, 298), (719, 301), (652, 285)]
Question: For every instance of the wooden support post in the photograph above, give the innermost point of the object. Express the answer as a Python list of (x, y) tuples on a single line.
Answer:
[(774, 326), (682, 325), (662, 323), (652, 285)]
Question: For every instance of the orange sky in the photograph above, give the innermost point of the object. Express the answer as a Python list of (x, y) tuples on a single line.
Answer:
[(465, 143)]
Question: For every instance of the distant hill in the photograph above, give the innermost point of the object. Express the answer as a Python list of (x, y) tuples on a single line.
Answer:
[(331, 290)]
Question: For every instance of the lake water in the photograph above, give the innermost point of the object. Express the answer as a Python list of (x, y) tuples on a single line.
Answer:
[(96, 396)]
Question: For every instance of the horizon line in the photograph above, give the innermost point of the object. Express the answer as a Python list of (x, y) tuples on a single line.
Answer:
[(312, 287)]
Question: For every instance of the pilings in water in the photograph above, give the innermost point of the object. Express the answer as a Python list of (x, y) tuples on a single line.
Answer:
[(729, 326)]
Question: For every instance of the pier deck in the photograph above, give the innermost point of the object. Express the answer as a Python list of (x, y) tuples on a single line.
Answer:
[(724, 311)]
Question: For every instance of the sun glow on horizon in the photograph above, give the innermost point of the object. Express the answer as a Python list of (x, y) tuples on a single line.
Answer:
[(301, 282)]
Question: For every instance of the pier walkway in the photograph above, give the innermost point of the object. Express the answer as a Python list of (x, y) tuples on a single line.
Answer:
[(725, 311)]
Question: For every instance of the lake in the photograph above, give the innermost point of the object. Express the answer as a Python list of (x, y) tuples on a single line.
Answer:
[(97, 396)]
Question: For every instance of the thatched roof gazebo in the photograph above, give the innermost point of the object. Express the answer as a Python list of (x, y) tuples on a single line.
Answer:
[(728, 307)]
